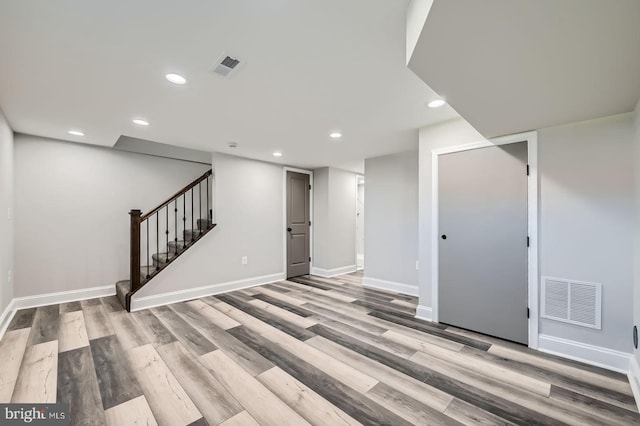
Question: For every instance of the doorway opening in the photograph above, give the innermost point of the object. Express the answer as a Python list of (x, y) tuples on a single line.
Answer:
[(360, 223), (297, 221)]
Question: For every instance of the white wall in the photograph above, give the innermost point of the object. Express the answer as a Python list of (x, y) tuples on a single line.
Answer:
[(585, 216), (636, 257), (334, 238), (71, 210), (417, 13), (6, 203), (248, 204), (586, 220), (391, 222)]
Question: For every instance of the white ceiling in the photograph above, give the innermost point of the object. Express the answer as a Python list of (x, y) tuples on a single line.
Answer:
[(309, 68), (508, 66)]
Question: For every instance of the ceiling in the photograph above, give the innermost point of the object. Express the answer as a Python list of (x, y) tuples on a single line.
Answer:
[(509, 66), (307, 68)]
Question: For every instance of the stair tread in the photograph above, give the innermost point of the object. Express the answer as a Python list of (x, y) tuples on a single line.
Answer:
[(175, 247)]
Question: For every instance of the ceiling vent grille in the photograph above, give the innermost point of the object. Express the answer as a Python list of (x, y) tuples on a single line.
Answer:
[(575, 302), (225, 65)]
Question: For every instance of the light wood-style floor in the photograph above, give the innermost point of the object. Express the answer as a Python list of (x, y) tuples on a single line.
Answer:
[(314, 351)]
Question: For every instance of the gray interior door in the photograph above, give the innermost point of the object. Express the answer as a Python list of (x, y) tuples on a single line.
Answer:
[(482, 251), (298, 224)]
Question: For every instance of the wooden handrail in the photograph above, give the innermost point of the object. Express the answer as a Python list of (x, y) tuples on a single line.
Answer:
[(177, 194)]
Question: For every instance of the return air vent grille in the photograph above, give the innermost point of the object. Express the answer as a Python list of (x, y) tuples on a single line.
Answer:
[(225, 65), (575, 302)]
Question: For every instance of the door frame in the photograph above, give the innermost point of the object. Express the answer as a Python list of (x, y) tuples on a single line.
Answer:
[(532, 218), (284, 216)]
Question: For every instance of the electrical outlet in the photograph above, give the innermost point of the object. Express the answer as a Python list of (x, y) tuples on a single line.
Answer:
[(9, 276), (245, 260), (417, 265), (9, 213)]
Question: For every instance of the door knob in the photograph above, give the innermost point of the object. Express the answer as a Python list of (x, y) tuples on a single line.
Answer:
[(444, 237), (289, 229)]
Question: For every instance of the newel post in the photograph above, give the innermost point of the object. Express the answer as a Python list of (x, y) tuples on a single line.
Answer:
[(135, 249)]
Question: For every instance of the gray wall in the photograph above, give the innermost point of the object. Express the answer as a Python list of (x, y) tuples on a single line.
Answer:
[(391, 222), (249, 214), (334, 215), (71, 210), (636, 257), (6, 203), (585, 215), (321, 222), (450, 133), (360, 211)]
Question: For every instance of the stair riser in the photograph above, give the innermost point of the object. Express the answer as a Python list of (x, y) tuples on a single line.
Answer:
[(191, 234), (203, 224), (175, 247), (160, 260)]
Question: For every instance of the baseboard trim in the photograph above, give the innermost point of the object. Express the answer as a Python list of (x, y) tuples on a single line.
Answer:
[(391, 286), (63, 297), (589, 354), (634, 379), (328, 273), (6, 317), (146, 302), (424, 313), (50, 299)]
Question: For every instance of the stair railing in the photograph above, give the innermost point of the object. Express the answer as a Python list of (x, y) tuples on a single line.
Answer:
[(159, 229)]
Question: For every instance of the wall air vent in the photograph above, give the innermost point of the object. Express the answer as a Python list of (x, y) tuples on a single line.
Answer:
[(225, 65), (575, 302)]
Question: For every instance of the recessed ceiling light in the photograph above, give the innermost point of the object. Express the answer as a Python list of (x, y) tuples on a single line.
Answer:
[(76, 133), (436, 104), (232, 144), (140, 122), (277, 154), (176, 78), (335, 135)]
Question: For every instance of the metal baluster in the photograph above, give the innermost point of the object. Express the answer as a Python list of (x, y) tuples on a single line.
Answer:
[(208, 203), (175, 229), (184, 220), (167, 229), (200, 204), (148, 274), (192, 213), (158, 235)]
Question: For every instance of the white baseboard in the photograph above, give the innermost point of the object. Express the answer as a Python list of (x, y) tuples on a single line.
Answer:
[(634, 379), (589, 354), (146, 302), (63, 297), (51, 299), (391, 286), (327, 273), (6, 317), (360, 261), (424, 313)]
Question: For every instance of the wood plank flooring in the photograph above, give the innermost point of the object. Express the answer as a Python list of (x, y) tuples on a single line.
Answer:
[(304, 351)]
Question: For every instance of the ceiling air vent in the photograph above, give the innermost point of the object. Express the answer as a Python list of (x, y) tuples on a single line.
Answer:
[(575, 302), (225, 65)]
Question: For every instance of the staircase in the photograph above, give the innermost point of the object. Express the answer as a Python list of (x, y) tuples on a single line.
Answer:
[(165, 233)]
